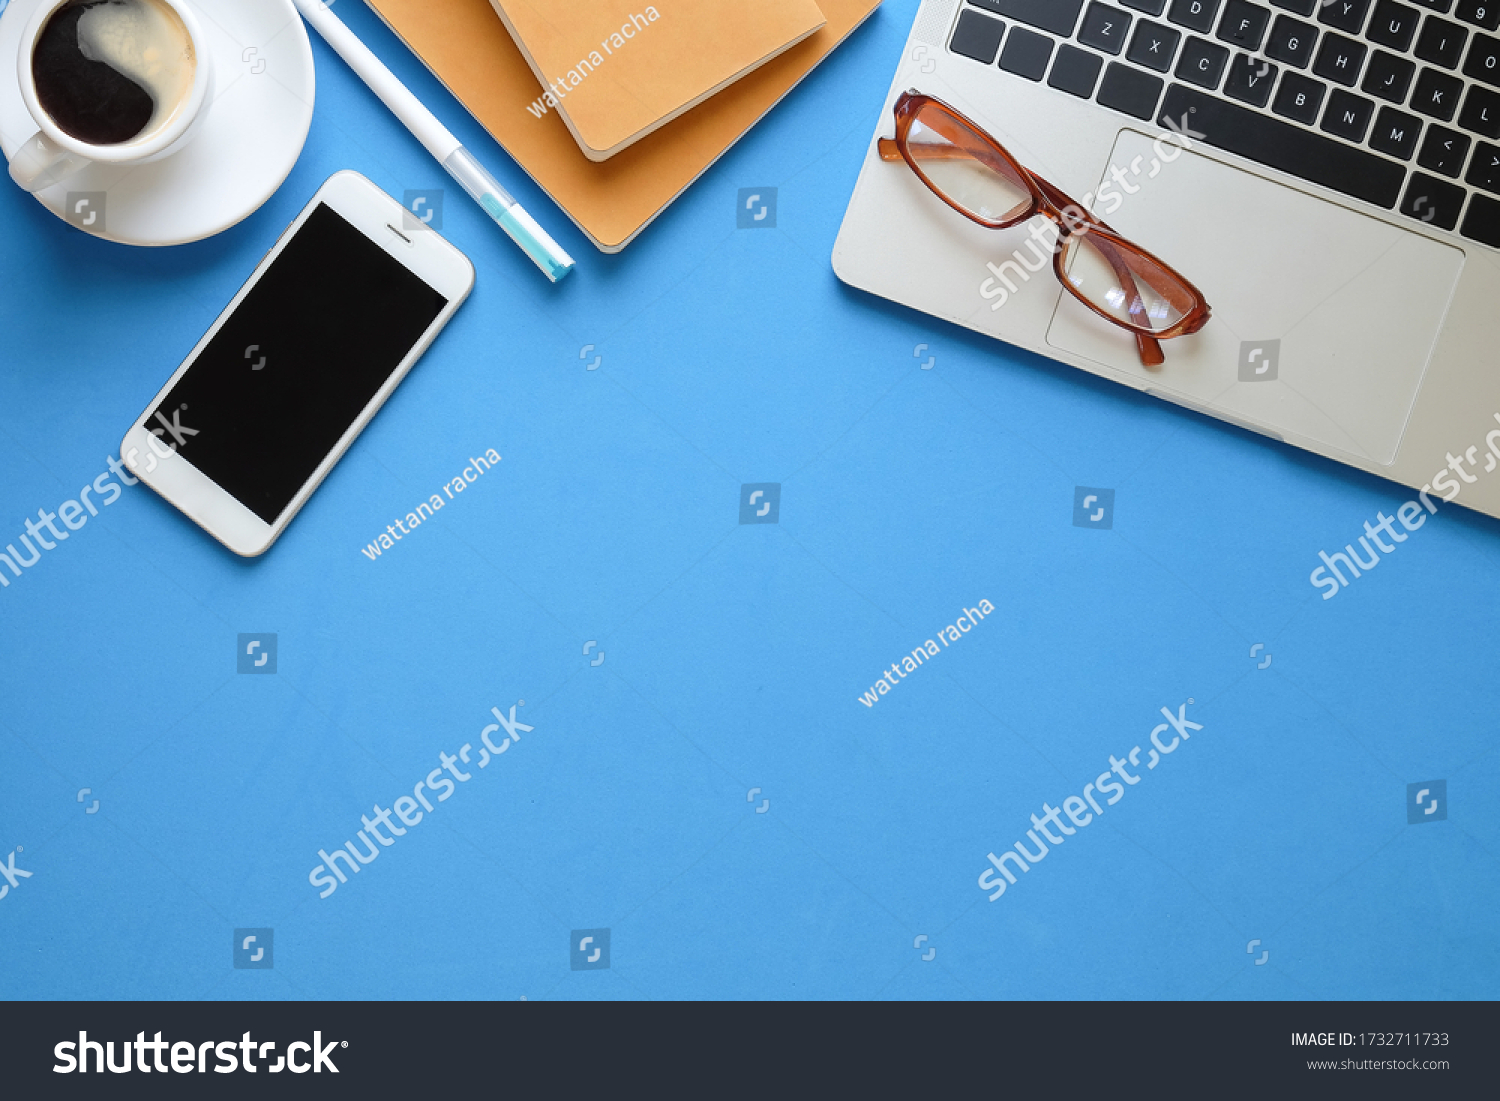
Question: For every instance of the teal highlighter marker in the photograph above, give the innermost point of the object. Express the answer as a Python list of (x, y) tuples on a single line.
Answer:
[(472, 176), (509, 214)]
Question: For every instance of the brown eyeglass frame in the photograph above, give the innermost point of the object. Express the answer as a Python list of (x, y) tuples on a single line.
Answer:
[(1070, 217)]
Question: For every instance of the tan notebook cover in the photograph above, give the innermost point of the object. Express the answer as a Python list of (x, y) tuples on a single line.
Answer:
[(464, 43), (615, 70)]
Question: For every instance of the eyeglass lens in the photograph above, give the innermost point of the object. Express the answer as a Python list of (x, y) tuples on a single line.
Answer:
[(964, 169), (1150, 299)]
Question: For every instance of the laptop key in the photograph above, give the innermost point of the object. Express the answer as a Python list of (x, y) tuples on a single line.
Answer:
[(1484, 170), (1483, 62), (1299, 98), (1250, 80), (977, 37), (1291, 41), (1441, 42), (1026, 53), (1104, 28), (1481, 112), (1346, 15), (1388, 76), (1436, 5), (1244, 25), (1433, 201), (1150, 7), (1129, 90), (1437, 94), (1284, 146), (1339, 59), (1195, 15), (1153, 45), (1396, 133), (1348, 115), (1393, 24), (1482, 13), (1444, 151), (1301, 7), (1075, 71), (1202, 63), (1483, 221), (1057, 16)]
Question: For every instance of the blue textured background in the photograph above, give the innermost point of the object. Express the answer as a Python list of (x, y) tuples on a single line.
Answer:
[(735, 654)]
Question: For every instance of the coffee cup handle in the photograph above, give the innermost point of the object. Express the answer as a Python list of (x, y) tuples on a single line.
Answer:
[(40, 163)]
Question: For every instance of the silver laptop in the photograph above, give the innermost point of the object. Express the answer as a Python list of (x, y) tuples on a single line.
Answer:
[(1326, 173)]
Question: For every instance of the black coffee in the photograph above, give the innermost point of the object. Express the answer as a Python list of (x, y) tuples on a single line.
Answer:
[(107, 71)]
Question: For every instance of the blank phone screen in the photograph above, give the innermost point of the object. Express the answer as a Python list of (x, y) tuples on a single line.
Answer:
[(293, 367)]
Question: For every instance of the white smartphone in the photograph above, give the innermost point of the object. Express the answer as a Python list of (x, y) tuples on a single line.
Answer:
[(310, 348)]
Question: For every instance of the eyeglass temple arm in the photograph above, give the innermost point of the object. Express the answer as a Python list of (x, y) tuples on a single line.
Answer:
[(890, 150)]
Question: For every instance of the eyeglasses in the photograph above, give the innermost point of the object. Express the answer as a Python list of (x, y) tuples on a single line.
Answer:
[(972, 173)]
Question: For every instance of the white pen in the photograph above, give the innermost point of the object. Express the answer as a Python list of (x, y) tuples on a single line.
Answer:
[(436, 138)]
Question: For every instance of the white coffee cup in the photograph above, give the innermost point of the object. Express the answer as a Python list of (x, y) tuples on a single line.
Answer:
[(51, 155)]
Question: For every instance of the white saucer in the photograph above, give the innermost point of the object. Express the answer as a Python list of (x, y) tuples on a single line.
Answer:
[(251, 138)]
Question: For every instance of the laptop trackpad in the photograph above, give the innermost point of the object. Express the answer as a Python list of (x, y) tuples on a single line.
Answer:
[(1323, 319)]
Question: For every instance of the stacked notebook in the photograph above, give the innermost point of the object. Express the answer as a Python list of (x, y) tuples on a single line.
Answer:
[(614, 107), (616, 71)]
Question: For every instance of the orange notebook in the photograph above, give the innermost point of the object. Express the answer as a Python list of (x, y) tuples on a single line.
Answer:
[(616, 70), (467, 47)]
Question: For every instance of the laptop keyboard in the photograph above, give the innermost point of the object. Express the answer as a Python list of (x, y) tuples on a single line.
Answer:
[(1394, 103)]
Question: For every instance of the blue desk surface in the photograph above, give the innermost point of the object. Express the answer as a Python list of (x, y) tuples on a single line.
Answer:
[(713, 792)]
